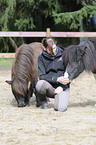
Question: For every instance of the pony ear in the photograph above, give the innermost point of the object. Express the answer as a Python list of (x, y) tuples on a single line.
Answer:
[(80, 51), (82, 47), (9, 82)]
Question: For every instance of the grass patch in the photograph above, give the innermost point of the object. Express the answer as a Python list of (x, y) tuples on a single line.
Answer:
[(6, 62)]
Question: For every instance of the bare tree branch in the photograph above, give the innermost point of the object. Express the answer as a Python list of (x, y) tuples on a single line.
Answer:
[(13, 43)]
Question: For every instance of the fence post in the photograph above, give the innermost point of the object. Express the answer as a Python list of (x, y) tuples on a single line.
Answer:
[(48, 32)]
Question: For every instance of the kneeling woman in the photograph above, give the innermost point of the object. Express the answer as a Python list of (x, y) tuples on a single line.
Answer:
[(52, 82)]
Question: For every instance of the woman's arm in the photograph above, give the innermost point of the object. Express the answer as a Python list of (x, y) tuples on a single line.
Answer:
[(42, 72)]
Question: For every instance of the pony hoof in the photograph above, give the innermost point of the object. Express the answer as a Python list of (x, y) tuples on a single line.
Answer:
[(38, 104)]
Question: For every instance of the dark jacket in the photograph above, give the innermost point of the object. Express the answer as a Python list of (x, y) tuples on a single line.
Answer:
[(51, 67)]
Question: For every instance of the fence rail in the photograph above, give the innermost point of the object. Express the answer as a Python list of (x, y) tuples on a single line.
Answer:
[(48, 33), (7, 55)]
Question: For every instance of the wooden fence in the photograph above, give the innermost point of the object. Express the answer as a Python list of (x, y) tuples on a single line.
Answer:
[(7, 55), (48, 33)]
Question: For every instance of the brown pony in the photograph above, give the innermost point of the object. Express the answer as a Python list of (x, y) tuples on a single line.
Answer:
[(24, 74)]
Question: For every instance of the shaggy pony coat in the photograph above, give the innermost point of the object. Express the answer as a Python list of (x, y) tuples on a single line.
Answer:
[(80, 57), (24, 74)]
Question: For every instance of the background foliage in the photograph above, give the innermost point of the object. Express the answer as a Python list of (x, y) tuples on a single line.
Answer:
[(33, 15)]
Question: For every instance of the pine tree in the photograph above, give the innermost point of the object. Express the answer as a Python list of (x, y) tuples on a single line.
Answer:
[(72, 18), (33, 15)]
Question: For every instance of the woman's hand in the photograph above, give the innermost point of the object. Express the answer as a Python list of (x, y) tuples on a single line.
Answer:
[(63, 80), (58, 90)]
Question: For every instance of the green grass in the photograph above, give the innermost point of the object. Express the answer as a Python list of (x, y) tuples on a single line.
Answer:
[(6, 62)]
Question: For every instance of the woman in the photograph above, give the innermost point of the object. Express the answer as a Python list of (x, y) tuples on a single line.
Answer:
[(52, 82)]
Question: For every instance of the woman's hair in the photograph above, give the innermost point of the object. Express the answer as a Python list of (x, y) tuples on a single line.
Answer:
[(48, 43)]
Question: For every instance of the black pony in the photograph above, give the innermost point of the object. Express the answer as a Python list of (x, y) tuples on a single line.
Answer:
[(80, 57)]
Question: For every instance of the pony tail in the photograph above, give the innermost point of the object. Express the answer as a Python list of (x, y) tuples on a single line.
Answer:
[(44, 42), (47, 42), (50, 42)]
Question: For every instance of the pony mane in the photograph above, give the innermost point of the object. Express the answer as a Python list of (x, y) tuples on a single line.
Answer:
[(69, 54), (22, 66), (89, 57)]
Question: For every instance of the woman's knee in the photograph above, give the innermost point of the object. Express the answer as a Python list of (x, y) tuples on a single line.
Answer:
[(44, 87), (40, 86)]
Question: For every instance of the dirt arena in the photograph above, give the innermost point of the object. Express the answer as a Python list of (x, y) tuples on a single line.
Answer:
[(35, 126)]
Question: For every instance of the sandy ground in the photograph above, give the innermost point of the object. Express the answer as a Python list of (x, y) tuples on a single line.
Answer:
[(35, 126)]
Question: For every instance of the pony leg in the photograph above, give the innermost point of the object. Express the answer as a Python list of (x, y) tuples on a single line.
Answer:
[(26, 101), (29, 94), (27, 98)]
